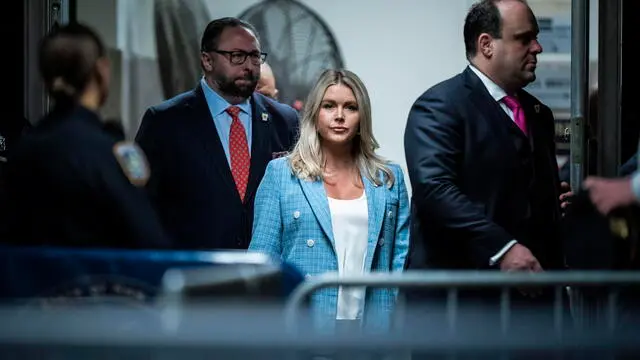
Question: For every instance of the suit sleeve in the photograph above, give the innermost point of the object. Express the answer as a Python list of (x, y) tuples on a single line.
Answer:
[(145, 136), (267, 220), (434, 150), (148, 140), (401, 247)]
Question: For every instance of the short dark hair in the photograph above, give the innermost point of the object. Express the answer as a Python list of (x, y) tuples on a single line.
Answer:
[(67, 60), (483, 17), (211, 35)]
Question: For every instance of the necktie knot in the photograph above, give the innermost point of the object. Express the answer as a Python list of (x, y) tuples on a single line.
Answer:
[(233, 111), (511, 102)]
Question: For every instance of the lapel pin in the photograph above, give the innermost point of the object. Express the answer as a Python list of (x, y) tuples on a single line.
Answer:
[(536, 107), (265, 116)]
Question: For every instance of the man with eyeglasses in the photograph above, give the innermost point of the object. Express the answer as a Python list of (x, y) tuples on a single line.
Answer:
[(210, 146)]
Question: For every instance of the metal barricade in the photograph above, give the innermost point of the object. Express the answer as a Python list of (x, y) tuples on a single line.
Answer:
[(456, 280)]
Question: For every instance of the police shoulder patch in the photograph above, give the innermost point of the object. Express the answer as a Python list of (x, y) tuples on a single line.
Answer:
[(133, 162)]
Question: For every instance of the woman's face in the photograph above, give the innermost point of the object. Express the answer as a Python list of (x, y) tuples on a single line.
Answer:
[(339, 117)]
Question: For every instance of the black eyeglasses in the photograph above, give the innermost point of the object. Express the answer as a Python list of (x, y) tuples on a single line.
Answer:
[(239, 57)]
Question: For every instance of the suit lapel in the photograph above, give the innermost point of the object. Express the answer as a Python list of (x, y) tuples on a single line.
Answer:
[(260, 144), (376, 204), (531, 113), (205, 129), (497, 119), (317, 197)]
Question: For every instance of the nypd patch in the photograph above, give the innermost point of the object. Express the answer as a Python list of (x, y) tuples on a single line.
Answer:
[(133, 162)]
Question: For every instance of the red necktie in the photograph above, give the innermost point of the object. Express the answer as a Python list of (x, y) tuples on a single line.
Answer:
[(238, 152), (518, 114)]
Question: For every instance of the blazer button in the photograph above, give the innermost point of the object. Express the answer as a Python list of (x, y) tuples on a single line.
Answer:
[(390, 214), (310, 243), (296, 214), (381, 241)]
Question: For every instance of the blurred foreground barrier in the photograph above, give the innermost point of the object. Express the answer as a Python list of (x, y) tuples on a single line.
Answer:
[(217, 331), (60, 276), (455, 281)]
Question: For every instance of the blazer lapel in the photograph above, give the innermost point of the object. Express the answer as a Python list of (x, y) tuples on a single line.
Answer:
[(317, 198), (376, 204), (205, 129), (260, 144)]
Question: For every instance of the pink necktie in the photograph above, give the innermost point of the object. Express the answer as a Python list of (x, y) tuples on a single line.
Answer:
[(518, 114), (238, 152)]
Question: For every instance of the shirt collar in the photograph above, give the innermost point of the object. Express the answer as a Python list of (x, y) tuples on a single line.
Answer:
[(494, 90), (217, 103)]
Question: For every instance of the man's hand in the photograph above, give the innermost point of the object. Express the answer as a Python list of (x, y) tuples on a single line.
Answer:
[(519, 258), (609, 194), (565, 197)]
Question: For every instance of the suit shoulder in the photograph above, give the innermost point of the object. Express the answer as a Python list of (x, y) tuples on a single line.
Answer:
[(160, 116), (398, 173), (280, 164), (277, 106), (534, 100), (285, 111), (444, 90), (395, 168), (173, 103), (279, 169)]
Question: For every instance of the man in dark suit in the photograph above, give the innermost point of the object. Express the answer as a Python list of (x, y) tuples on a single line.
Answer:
[(209, 147), (481, 156)]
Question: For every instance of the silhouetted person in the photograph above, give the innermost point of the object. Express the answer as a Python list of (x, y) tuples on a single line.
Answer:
[(71, 181)]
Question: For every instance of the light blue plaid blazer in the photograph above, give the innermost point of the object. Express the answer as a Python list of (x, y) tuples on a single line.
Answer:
[(292, 221)]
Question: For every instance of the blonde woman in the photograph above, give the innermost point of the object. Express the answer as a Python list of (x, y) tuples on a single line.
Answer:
[(334, 205)]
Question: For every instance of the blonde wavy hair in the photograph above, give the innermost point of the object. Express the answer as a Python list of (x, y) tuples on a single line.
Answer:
[(307, 159)]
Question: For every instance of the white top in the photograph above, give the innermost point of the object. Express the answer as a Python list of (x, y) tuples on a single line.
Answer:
[(350, 222)]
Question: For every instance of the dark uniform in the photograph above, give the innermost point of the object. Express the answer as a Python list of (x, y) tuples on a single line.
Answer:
[(11, 130), (72, 182)]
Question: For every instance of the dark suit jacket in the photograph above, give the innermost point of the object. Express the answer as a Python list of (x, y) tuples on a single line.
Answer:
[(478, 182), (191, 183)]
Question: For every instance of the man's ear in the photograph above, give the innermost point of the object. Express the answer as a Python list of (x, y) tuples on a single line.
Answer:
[(485, 45), (206, 61)]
